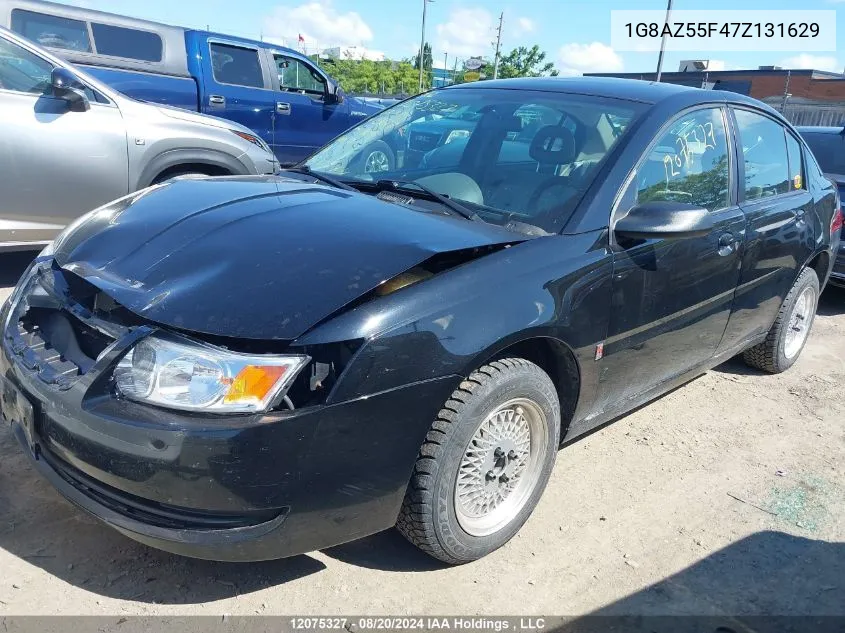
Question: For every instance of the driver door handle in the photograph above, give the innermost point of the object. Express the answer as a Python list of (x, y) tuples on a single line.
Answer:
[(726, 244), (282, 108)]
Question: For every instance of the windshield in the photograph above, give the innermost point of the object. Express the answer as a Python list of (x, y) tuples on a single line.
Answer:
[(511, 155)]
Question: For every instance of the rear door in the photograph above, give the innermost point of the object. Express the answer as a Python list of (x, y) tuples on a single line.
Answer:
[(55, 164), (672, 297), (779, 211), (237, 86), (304, 121)]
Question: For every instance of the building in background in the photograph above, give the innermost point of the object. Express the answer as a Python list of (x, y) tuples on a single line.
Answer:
[(805, 97)]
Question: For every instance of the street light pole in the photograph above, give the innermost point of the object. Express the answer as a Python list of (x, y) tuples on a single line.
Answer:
[(445, 67), (422, 42), (663, 41)]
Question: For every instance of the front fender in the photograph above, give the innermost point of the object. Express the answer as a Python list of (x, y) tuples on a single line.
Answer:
[(551, 287), (190, 156)]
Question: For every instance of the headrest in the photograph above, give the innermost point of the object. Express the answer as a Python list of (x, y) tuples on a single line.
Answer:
[(553, 145)]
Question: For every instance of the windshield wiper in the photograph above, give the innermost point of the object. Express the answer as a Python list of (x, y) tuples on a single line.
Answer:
[(305, 170), (446, 201)]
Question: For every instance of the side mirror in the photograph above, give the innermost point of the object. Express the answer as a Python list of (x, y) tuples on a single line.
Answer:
[(334, 94), (669, 220), (66, 86)]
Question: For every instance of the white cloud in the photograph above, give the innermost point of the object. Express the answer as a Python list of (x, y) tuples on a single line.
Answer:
[(595, 57), (523, 26), (812, 62), (319, 23), (468, 32)]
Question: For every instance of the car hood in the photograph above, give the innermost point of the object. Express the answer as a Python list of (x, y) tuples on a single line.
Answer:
[(254, 257)]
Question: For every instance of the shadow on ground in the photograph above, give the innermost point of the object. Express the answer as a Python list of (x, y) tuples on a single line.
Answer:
[(769, 582)]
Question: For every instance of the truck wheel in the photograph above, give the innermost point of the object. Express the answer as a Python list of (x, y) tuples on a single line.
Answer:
[(484, 463), (788, 335), (377, 157)]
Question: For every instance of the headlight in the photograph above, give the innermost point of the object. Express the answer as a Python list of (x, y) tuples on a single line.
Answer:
[(180, 374), (455, 134), (255, 140)]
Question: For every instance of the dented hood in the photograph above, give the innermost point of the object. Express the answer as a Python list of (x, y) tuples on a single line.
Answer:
[(261, 258)]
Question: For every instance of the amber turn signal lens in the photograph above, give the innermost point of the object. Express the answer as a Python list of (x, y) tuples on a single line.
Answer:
[(254, 382)]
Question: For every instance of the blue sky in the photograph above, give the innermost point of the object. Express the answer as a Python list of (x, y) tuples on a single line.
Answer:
[(575, 33)]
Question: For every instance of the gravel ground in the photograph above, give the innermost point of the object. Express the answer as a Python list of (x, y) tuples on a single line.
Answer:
[(726, 496)]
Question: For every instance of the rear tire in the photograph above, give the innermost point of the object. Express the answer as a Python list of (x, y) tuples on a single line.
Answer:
[(484, 464), (786, 339)]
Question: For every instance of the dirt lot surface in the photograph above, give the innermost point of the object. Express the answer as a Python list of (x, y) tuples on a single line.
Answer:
[(725, 496)]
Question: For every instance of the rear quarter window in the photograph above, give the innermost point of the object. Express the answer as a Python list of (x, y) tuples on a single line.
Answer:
[(118, 41)]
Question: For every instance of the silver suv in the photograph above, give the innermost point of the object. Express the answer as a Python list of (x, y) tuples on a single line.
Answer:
[(69, 144)]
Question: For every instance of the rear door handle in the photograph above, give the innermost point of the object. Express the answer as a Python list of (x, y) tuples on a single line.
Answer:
[(726, 244), (282, 108), (216, 100)]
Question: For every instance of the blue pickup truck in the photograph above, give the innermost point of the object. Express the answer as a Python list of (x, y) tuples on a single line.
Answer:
[(277, 92)]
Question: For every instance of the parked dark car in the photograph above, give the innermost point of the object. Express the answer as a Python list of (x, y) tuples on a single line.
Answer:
[(249, 368), (828, 145)]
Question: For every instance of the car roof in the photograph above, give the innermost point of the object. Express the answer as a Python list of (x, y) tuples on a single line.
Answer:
[(630, 89)]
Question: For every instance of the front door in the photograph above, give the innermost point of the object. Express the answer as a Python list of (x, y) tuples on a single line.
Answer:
[(672, 297), (237, 86), (55, 164), (304, 121)]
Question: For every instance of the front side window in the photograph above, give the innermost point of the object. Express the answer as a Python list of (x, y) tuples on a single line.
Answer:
[(128, 43), (236, 66), (689, 163), (514, 155), (764, 153), (23, 71), (52, 31), (296, 76)]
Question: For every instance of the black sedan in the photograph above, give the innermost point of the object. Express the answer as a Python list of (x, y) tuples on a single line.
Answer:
[(250, 368)]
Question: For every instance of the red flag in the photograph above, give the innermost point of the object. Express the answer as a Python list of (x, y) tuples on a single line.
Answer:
[(301, 39)]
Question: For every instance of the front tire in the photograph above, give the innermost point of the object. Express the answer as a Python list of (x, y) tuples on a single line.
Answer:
[(791, 328), (378, 158), (484, 464)]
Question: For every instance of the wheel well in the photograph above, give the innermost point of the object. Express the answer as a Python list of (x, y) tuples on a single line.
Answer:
[(558, 361), (820, 264), (193, 168)]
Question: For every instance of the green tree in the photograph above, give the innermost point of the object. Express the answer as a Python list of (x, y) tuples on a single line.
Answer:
[(525, 62), (426, 58)]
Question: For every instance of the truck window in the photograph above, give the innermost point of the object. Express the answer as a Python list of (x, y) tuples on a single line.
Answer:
[(52, 31), (296, 76), (128, 43), (236, 65)]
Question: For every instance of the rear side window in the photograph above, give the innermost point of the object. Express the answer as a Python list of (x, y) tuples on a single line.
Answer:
[(51, 30), (689, 163), (767, 171), (237, 66), (129, 43), (796, 164)]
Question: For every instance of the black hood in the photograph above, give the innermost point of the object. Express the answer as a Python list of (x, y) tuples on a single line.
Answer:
[(261, 258)]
